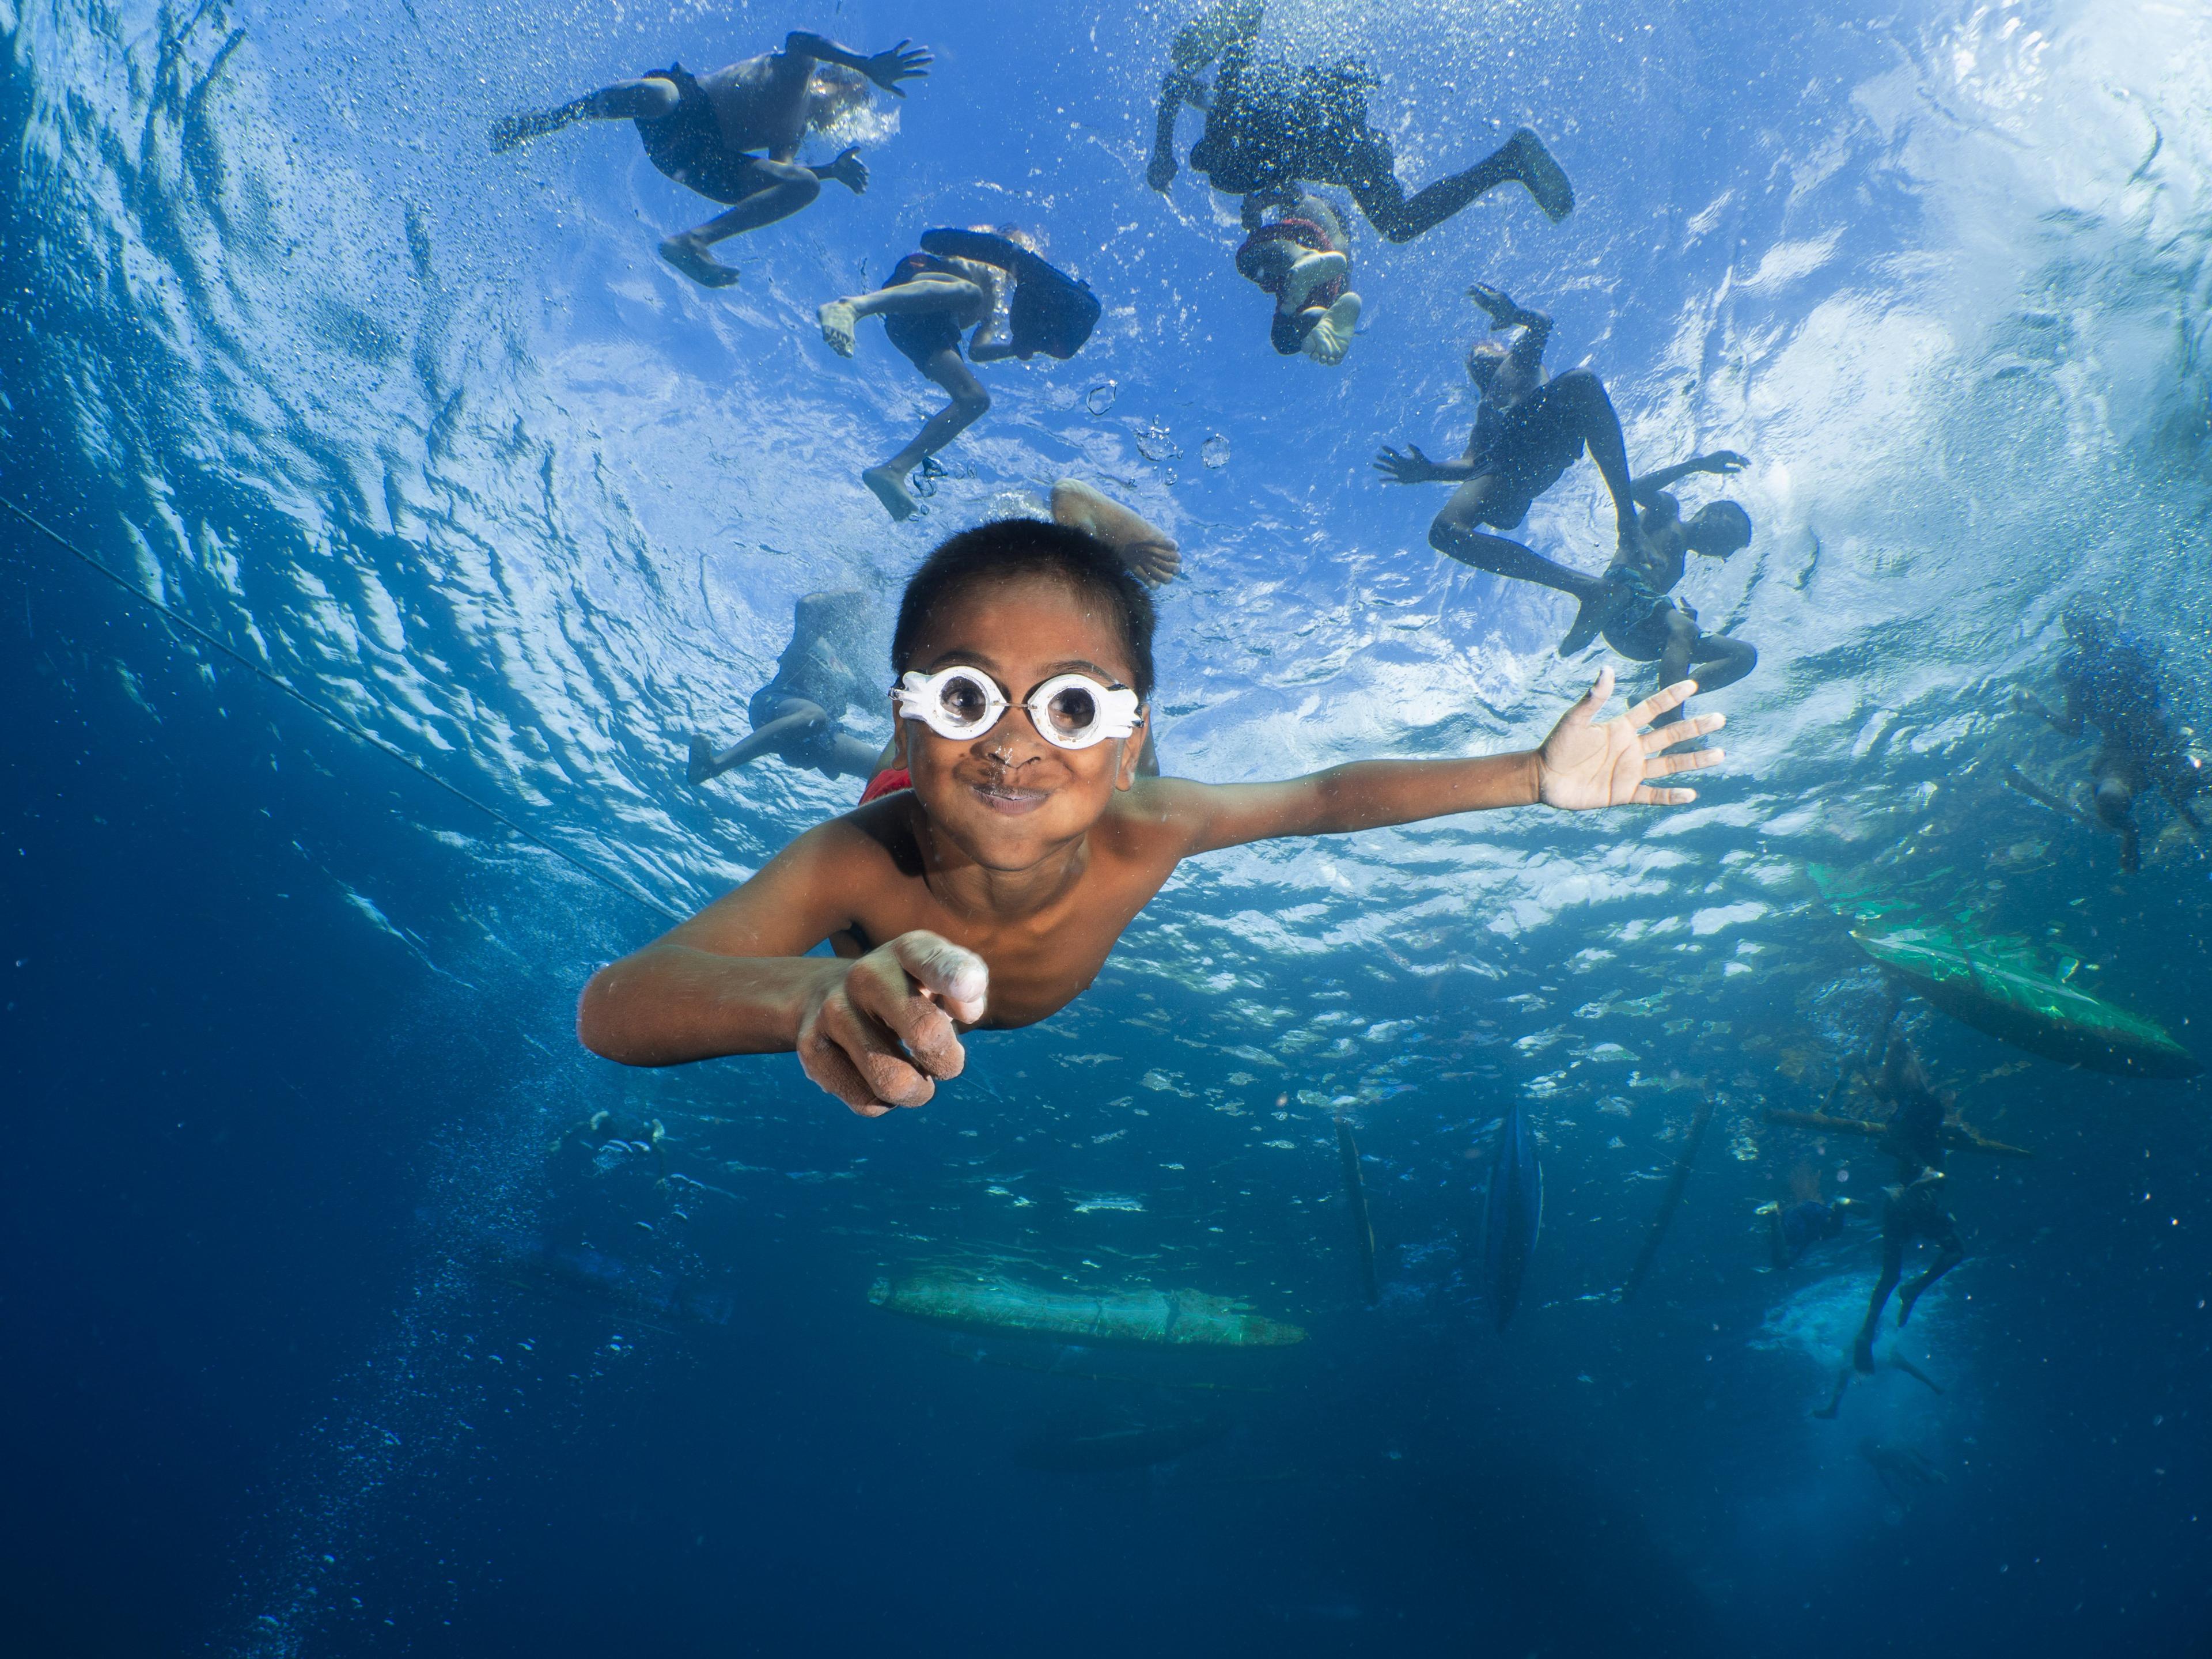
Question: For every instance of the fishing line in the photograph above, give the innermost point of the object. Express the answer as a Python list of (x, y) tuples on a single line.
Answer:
[(591, 872)]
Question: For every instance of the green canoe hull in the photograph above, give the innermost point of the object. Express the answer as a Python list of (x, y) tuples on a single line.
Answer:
[(1175, 1319), (2027, 1009)]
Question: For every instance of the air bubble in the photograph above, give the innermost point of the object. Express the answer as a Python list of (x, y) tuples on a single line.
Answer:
[(1156, 443), (1214, 452), (1100, 398)]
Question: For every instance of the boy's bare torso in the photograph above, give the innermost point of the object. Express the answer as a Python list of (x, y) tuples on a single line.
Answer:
[(1039, 960), (760, 103)]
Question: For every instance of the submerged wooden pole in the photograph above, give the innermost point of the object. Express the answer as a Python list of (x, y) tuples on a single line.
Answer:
[(1962, 1137), (1355, 1197), (1669, 1199)]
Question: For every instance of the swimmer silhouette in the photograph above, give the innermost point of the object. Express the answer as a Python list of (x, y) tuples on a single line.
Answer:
[(702, 131)]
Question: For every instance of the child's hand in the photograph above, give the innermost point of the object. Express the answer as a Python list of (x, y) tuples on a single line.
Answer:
[(1583, 766), (903, 62), (1410, 468), (847, 170), (883, 1031)]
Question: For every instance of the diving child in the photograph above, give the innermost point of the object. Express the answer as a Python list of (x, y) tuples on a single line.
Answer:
[(1631, 603), (702, 131), (1529, 428), (2112, 685), (1270, 125), (822, 672), (1301, 257), (956, 281), (991, 892)]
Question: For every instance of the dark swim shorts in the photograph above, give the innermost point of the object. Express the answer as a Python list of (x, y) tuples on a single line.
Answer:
[(1637, 625), (1051, 312), (686, 143), (920, 335)]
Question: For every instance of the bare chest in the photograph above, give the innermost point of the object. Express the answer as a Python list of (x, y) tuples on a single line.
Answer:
[(1039, 962), (760, 104)]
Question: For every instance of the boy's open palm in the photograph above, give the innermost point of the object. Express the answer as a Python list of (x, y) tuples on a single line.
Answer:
[(1587, 764)]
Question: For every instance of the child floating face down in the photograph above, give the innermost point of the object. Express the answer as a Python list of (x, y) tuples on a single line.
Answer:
[(991, 893)]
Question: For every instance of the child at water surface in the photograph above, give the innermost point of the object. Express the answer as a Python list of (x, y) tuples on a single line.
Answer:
[(990, 892), (703, 132)]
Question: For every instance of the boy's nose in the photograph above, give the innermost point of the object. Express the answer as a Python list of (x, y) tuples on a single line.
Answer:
[(1013, 740)]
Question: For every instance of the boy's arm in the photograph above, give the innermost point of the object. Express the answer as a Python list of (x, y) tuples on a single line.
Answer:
[(1581, 766), (1175, 91), (1724, 462), (903, 62), (2069, 723), (735, 980), (1505, 312)]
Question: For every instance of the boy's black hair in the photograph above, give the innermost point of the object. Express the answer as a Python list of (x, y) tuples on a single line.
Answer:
[(1009, 548), (1715, 515)]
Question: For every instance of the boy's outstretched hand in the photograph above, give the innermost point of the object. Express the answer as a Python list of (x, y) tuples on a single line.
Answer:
[(879, 1035), (1583, 765)]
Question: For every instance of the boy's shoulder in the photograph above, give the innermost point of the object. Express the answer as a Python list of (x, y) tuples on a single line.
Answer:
[(867, 846), (1154, 817)]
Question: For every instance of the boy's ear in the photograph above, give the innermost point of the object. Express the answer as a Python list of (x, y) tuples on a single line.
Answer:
[(1133, 752)]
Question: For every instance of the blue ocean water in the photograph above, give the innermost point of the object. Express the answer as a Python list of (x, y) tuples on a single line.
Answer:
[(341, 1321)]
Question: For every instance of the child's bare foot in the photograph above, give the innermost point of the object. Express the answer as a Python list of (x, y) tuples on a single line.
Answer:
[(1546, 180), (1331, 337), (838, 320), (1153, 561), (1306, 275), (689, 256), (891, 490)]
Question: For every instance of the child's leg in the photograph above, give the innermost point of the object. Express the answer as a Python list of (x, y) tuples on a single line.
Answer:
[(970, 403), (1577, 400), (1370, 174), (643, 100), (1454, 534), (781, 188), (1954, 1253), (1721, 661), (847, 756), (1892, 1263), (2115, 800), (796, 721), (839, 318)]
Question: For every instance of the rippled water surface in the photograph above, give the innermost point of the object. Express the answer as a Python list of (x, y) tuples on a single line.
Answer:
[(343, 1327)]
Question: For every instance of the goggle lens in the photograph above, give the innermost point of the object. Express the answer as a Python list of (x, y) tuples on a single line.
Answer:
[(1073, 711), (964, 701)]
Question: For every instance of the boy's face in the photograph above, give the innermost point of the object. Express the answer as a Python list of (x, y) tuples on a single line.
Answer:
[(1008, 798)]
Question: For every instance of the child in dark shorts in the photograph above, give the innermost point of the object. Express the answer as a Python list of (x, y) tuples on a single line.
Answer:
[(931, 299)]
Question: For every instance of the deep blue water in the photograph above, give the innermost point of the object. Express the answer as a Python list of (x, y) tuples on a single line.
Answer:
[(327, 1334)]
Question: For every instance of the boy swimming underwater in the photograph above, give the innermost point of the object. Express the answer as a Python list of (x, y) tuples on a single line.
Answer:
[(991, 892)]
